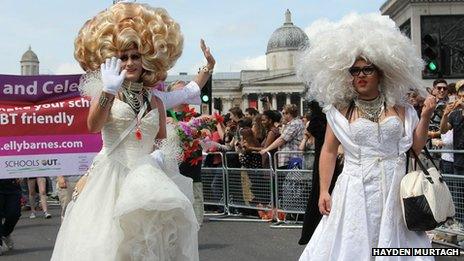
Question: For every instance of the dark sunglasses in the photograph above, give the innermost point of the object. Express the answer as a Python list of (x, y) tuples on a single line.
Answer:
[(440, 88), (366, 70), (126, 57)]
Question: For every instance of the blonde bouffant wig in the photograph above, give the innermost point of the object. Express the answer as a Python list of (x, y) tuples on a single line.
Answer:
[(124, 26)]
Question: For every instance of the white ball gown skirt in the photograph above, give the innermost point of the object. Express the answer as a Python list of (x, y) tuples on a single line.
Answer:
[(129, 214)]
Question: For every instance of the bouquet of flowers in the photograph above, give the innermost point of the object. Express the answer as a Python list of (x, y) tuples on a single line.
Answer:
[(193, 131)]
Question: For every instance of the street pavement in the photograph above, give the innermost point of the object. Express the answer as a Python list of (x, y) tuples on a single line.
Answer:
[(218, 240)]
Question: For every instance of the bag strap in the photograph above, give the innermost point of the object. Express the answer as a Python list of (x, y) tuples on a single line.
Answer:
[(429, 156), (128, 130), (419, 162)]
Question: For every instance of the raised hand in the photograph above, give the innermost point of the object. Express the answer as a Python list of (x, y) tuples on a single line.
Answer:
[(207, 53), (111, 77), (430, 104)]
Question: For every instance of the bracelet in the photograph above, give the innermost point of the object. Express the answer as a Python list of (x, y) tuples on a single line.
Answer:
[(205, 69), (104, 100)]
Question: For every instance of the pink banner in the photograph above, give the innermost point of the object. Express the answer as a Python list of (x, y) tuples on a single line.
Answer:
[(56, 144), (43, 127)]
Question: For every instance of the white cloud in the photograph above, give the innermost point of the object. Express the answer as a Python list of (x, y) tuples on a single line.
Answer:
[(68, 68), (250, 63), (318, 26)]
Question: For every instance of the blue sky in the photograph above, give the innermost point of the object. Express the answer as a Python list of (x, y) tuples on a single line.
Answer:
[(237, 31)]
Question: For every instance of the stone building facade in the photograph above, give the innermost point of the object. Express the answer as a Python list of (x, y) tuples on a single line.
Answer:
[(278, 81)]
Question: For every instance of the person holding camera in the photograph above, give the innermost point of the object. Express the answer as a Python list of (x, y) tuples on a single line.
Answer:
[(440, 91), (266, 103), (453, 118)]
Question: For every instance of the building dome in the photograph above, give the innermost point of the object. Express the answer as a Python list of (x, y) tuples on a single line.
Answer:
[(287, 37), (29, 56)]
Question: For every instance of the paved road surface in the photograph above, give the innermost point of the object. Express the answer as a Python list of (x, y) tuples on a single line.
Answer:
[(244, 241)]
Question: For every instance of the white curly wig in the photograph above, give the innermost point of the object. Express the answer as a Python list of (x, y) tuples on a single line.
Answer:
[(324, 64)]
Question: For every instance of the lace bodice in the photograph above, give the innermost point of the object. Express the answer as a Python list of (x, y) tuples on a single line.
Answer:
[(121, 116), (377, 139), (363, 139)]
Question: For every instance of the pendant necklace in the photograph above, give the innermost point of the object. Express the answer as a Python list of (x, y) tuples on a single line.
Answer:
[(134, 95)]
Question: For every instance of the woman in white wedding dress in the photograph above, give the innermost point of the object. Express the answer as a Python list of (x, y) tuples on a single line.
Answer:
[(362, 68), (134, 205)]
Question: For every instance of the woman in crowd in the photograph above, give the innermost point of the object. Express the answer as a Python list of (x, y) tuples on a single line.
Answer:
[(367, 71), (248, 158), (269, 120), (259, 131), (130, 208), (41, 183)]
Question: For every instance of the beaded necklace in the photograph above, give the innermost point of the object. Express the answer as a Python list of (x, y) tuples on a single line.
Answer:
[(371, 110), (135, 95)]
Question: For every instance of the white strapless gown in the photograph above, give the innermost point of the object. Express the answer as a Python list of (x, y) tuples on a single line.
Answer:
[(366, 211), (130, 208)]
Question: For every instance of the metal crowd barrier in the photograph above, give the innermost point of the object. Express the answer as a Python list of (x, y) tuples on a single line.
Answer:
[(214, 187), (249, 190), (456, 186), (292, 186), (232, 187)]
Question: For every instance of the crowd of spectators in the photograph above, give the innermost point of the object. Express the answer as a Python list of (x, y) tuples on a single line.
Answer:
[(446, 130), (256, 137)]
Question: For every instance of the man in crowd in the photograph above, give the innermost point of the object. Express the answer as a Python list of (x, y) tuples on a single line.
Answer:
[(291, 136), (440, 90), (453, 118)]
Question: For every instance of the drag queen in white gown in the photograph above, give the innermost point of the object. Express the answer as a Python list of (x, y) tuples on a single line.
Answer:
[(361, 69), (135, 205)]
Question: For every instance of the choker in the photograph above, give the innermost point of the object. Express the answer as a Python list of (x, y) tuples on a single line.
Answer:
[(372, 109)]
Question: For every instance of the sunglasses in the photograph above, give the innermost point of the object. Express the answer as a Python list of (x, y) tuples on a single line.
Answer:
[(126, 57), (440, 88), (366, 70)]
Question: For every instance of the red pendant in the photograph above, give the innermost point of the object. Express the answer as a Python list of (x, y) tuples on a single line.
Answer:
[(138, 134)]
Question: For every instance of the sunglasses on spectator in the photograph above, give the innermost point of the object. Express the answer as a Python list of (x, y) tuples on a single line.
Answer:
[(366, 70), (441, 88)]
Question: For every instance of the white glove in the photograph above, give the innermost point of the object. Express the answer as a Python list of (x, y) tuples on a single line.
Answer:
[(158, 158), (112, 79)]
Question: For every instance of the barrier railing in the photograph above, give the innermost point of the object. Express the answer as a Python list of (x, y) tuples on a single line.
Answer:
[(247, 188), (456, 186), (232, 187), (292, 184), (214, 186)]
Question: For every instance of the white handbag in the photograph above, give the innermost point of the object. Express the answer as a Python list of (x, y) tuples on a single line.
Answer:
[(426, 200)]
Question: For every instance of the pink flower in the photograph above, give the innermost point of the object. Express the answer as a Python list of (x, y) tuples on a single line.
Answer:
[(160, 86)]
